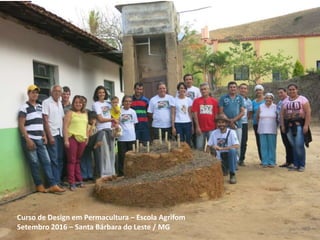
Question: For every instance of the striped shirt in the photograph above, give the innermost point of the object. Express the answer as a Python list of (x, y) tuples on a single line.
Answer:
[(34, 120), (140, 105)]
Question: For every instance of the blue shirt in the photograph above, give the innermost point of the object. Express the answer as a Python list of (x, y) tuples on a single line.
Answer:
[(255, 107), (232, 106)]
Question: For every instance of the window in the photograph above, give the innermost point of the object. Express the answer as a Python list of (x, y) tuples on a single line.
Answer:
[(110, 88), (241, 72), (278, 75), (318, 65), (44, 78)]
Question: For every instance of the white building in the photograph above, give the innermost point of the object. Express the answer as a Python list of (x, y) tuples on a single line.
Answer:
[(38, 47)]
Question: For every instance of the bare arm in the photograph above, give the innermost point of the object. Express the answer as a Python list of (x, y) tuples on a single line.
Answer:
[(307, 119), (173, 118), (66, 124), (47, 129), (23, 131)]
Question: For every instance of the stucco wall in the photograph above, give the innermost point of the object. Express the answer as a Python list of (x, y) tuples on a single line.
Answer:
[(19, 47)]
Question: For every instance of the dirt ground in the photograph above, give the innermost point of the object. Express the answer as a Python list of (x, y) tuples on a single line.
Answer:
[(264, 204)]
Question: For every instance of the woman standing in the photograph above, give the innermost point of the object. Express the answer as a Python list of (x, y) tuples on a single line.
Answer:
[(128, 118), (181, 114), (75, 140), (258, 90), (267, 129), (295, 121), (104, 155)]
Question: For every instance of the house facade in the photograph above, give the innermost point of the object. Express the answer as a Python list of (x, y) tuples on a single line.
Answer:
[(296, 35), (38, 47)]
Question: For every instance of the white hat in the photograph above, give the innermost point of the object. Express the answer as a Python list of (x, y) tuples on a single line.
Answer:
[(258, 87), (269, 94)]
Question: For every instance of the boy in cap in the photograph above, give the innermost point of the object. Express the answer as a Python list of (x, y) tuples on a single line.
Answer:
[(225, 142), (33, 140)]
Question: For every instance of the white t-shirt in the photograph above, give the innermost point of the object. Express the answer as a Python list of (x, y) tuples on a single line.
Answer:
[(103, 109), (192, 93), (55, 113), (160, 107), (217, 138), (127, 120), (182, 105)]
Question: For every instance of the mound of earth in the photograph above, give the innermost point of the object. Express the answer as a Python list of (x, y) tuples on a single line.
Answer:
[(177, 176)]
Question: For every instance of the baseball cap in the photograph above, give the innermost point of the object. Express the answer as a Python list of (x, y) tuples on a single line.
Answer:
[(258, 87), (33, 87)]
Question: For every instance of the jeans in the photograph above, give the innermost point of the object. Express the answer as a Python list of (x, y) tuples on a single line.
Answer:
[(289, 151), (86, 163), (184, 130), (268, 143), (142, 132), (201, 139), (244, 140), (297, 144), (232, 160), (38, 158), (56, 156)]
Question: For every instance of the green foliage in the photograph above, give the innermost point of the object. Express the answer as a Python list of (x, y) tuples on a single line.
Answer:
[(105, 26), (243, 54), (298, 69)]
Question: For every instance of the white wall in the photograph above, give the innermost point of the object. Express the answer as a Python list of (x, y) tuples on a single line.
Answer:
[(20, 46)]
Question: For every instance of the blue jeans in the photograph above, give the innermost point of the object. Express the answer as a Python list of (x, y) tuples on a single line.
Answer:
[(201, 139), (231, 161), (297, 144), (56, 156), (142, 132), (184, 130), (38, 157), (86, 163)]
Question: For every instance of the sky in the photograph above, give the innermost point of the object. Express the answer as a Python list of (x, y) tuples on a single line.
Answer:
[(215, 14)]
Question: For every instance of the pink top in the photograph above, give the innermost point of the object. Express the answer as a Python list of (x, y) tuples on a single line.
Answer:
[(293, 109)]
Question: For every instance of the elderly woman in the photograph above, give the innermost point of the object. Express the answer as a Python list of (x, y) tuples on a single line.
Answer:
[(295, 121), (267, 130)]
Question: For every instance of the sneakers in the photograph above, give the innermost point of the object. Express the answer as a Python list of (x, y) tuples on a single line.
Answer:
[(233, 179), (41, 188), (56, 189), (301, 169)]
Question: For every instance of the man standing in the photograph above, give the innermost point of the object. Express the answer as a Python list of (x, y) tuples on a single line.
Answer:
[(243, 89), (283, 96), (192, 91), (140, 104), (53, 124), (66, 104), (33, 140), (232, 105), (159, 110), (204, 110)]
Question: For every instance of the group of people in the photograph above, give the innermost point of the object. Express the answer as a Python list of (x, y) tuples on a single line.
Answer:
[(91, 139)]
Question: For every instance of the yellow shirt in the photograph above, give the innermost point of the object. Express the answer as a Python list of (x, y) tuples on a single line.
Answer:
[(78, 126), (115, 112)]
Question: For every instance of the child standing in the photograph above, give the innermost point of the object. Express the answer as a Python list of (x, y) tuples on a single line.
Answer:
[(128, 118)]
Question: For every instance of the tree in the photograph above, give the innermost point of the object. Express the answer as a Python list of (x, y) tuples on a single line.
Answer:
[(298, 69), (105, 26), (243, 54)]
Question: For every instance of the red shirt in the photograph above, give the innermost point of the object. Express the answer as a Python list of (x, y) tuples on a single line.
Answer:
[(206, 110)]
